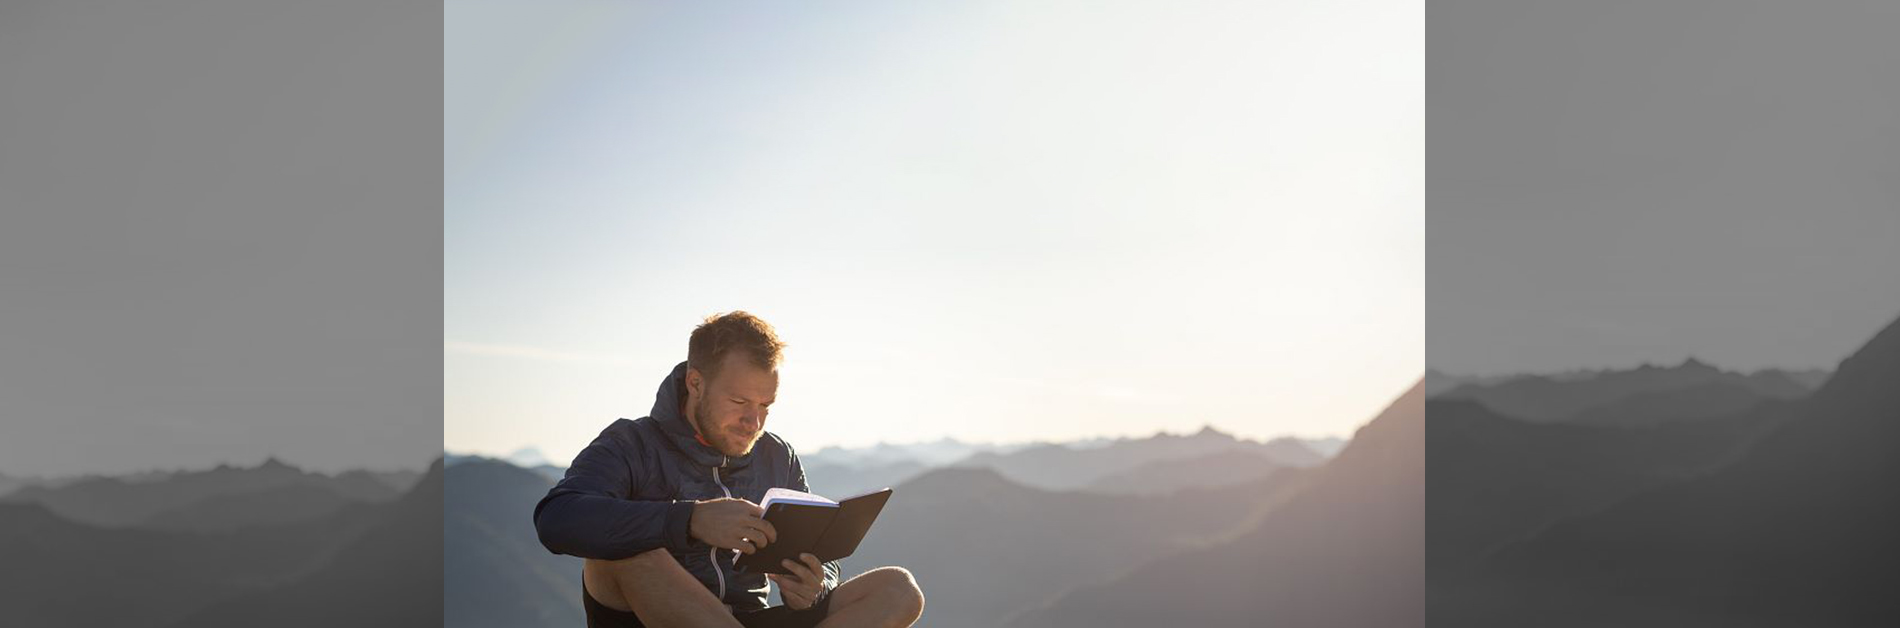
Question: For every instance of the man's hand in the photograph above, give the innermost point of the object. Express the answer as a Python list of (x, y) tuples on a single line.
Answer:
[(800, 588), (732, 524)]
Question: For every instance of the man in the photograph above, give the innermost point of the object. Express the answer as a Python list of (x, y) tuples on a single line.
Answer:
[(662, 506)]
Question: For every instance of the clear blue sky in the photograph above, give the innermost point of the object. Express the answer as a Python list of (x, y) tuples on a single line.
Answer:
[(987, 220)]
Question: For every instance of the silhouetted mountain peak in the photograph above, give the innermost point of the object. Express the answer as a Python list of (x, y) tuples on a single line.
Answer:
[(1877, 360), (1208, 431), (273, 464)]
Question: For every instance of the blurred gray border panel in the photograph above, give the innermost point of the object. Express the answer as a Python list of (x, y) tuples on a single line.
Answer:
[(1629, 180), (220, 234)]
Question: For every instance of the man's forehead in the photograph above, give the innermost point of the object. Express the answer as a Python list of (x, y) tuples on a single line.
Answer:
[(747, 380)]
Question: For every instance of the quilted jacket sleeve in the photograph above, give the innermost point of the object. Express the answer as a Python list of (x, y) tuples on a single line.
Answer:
[(590, 514)]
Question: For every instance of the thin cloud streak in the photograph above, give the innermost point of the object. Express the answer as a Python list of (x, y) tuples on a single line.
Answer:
[(538, 354)]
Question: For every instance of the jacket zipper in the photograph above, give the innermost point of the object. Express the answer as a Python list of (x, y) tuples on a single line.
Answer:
[(713, 553)]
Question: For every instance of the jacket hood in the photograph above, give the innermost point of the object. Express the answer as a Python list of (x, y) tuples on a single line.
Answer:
[(680, 433)]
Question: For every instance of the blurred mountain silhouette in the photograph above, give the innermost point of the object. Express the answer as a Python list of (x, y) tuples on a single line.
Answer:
[(246, 494), (1496, 479), (63, 572), (390, 575), (1642, 393), (1798, 530)]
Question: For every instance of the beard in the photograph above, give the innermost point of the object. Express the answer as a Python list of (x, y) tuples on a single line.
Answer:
[(722, 441)]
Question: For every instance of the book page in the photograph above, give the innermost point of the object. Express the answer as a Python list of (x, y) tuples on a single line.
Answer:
[(789, 496)]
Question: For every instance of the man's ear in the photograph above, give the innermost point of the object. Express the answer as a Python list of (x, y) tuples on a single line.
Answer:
[(695, 382)]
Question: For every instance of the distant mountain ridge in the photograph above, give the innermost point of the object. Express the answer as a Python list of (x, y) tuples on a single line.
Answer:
[(1571, 396), (115, 502), (1059, 467), (928, 454), (1081, 465)]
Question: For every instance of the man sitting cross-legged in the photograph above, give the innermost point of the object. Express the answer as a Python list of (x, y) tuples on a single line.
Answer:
[(660, 507)]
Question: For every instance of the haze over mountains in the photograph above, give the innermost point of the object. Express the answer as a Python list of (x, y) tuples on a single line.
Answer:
[(1779, 514), (992, 534), (1157, 463), (227, 537)]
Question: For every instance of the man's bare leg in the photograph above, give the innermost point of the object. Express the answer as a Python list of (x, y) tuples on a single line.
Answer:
[(656, 588), (886, 597)]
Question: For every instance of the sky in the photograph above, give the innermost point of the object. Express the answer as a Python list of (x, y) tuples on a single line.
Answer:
[(1642, 182), (992, 221)]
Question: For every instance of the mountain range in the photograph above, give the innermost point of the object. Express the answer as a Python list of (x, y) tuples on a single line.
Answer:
[(1633, 397), (1794, 528), (1344, 550), (1159, 463), (225, 497), (148, 574), (987, 546), (1059, 467)]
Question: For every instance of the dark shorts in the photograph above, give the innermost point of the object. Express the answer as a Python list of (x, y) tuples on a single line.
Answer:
[(599, 616)]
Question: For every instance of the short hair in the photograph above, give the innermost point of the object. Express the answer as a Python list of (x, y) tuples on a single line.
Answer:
[(721, 334)]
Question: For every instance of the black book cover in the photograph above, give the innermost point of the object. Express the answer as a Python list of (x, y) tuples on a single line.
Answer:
[(829, 532)]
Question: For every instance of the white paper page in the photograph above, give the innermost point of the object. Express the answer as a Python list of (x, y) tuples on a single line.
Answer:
[(789, 496)]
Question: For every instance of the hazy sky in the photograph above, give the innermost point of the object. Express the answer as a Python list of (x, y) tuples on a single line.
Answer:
[(1615, 183), (995, 221)]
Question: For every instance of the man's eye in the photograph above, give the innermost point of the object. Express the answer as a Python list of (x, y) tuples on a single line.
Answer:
[(739, 401)]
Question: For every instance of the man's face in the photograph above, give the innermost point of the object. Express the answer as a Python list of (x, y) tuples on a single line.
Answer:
[(729, 409)]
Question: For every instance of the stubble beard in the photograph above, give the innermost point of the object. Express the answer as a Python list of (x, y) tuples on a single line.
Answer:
[(702, 413)]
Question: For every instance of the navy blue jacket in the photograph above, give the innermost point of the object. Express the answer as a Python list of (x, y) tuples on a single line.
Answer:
[(633, 488)]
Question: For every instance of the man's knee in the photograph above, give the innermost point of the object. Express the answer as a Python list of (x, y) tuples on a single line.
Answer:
[(657, 559), (897, 585), (610, 579)]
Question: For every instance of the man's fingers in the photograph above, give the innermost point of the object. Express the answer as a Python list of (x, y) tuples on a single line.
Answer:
[(796, 592), (817, 570), (771, 533), (760, 532), (794, 600), (804, 574), (789, 591)]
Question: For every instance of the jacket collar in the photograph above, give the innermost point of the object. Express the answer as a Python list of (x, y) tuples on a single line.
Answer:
[(680, 432)]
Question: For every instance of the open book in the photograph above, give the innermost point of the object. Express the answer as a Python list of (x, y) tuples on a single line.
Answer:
[(809, 524)]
